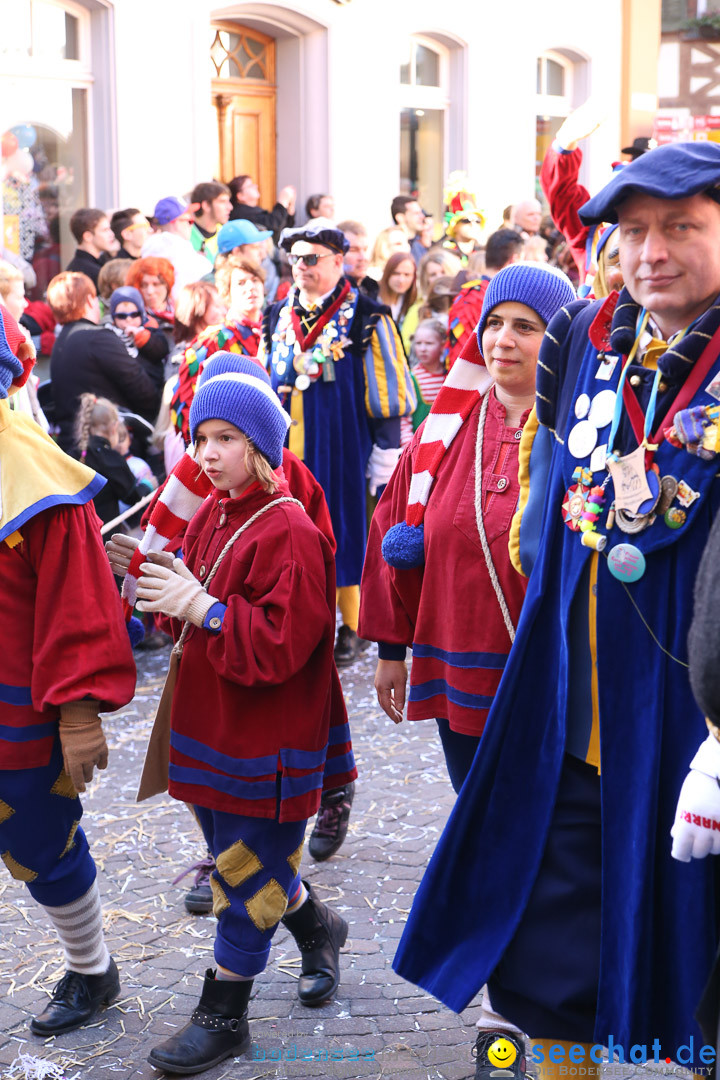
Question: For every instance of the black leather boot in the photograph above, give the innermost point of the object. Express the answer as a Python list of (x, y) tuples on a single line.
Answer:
[(319, 934), (217, 1029)]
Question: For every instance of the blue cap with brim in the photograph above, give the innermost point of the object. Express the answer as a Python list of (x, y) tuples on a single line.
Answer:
[(676, 171), (238, 233)]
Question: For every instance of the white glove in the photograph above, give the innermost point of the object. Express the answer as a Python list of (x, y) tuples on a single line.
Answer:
[(579, 124), (120, 549), (381, 465), (174, 591), (696, 832)]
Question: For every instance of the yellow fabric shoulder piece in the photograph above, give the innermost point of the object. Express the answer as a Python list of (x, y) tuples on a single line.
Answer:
[(13, 539), (529, 432)]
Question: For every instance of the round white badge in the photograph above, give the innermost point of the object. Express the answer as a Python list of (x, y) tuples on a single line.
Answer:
[(281, 367), (582, 406), (302, 382), (582, 439), (602, 408)]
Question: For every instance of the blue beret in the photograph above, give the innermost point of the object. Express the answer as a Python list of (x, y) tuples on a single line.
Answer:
[(675, 171)]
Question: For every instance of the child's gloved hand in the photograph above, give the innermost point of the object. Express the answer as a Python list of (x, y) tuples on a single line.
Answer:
[(696, 832), (82, 740), (174, 591), (120, 549)]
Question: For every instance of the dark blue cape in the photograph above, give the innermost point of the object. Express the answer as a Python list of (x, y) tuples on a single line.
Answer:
[(659, 915)]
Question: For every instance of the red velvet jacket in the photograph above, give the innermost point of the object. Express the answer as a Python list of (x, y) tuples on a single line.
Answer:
[(62, 631), (559, 181), (447, 609), (262, 697)]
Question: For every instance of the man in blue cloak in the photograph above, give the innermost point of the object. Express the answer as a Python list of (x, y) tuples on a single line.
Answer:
[(553, 882)]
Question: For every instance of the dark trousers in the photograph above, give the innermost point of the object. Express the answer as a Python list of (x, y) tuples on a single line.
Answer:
[(459, 751)]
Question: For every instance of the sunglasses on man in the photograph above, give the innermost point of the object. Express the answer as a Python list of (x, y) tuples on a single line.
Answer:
[(128, 315), (308, 260)]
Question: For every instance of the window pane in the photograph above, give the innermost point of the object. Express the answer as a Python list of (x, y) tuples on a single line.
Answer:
[(16, 33), (421, 157), (427, 67), (49, 32), (674, 14), (71, 37), (555, 79), (539, 87), (405, 74)]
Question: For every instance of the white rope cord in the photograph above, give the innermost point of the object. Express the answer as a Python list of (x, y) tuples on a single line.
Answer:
[(479, 518), (178, 647)]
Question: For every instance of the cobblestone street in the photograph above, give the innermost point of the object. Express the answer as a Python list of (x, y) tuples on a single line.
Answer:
[(378, 1025)]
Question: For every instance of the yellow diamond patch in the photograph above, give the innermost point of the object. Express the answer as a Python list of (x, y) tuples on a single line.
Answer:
[(296, 858), (237, 863), (267, 907), (220, 900), (18, 871)]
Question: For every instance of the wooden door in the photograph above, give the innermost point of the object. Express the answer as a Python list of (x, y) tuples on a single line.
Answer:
[(244, 96)]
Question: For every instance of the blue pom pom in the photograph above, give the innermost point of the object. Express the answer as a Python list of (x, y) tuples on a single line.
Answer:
[(403, 546), (136, 631)]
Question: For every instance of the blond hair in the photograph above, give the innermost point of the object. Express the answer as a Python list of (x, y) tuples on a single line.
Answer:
[(112, 275), (224, 266), (95, 416), (260, 468), (9, 274)]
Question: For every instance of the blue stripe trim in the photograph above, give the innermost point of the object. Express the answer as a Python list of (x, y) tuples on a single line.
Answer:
[(84, 496), (439, 687), (491, 661), (15, 695), (293, 786), (259, 789), (339, 734), (248, 767), (28, 734), (341, 764), (303, 759)]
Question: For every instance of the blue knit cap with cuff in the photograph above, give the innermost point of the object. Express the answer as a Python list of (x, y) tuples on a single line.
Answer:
[(539, 286), (236, 389)]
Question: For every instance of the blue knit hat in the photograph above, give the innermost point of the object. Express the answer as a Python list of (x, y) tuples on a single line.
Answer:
[(540, 286), (675, 171), (237, 389), (127, 295)]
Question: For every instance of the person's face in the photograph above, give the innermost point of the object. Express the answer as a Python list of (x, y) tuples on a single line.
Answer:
[(397, 241), (426, 233), (183, 226), (528, 215), (127, 315), (254, 253), (15, 300), (246, 293), (613, 273), (136, 234), (153, 291), (215, 310), (433, 271), (123, 441), (414, 217), (428, 347), (221, 450), (249, 193), (510, 345), (326, 207), (467, 229), (323, 276), (670, 256), (219, 209), (113, 435), (356, 257), (402, 277), (103, 238)]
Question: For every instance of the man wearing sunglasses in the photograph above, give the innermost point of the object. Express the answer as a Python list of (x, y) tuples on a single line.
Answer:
[(338, 365), (172, 241)]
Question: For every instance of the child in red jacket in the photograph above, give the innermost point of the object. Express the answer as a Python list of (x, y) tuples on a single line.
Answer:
[(258, 727)]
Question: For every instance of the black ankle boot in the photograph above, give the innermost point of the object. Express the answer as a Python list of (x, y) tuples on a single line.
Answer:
[(319, 934), (217, 1029)]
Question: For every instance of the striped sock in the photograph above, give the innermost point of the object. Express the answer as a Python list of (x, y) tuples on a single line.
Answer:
[(79, 927), (297, 900), (225, 975)]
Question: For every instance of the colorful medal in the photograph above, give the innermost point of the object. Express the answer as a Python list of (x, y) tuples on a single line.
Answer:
[(626, 562)]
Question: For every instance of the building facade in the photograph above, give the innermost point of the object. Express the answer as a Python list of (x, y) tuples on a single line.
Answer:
[(119, 103)]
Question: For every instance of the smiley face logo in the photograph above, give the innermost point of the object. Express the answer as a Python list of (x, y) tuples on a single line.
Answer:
[(502, 1053)]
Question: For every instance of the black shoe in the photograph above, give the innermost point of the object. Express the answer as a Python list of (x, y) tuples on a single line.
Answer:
[(348, 647), (77, 1000), (319, 935), (218, 1029), (499, 1056), (331, 823), (199, 899)]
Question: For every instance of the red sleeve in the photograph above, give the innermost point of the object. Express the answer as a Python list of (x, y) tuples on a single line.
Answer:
[(304, 486), (389, 598), (267, 639), (559, 181), (81, 646)]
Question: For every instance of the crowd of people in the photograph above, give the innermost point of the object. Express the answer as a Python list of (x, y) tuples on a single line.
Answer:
[(496, 448)]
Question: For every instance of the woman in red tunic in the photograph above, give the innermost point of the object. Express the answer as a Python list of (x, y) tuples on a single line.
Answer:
[(438, 575)]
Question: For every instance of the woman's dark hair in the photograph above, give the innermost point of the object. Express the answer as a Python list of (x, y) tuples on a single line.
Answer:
[(236, 185), (384, 291)]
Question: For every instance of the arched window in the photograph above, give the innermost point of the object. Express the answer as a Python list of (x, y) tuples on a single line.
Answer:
[(425, 99), (44, 88), (555, 93)]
